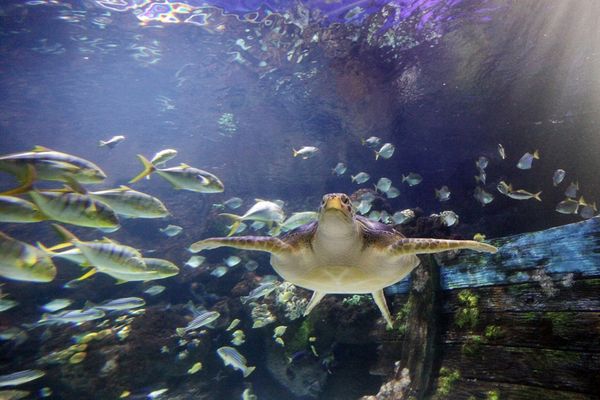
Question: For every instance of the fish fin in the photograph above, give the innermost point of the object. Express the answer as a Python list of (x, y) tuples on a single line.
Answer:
[(74, 185), (258, 243), (101, 143), (582, 201), (379, 298), (88, 304), (26, 185), (537, 196), (248, 371), (91, 272), (124, 188), (428, 246), (120, 281), (184, 165), (237, 220), (47, 250), (64, 233), (148, 169), (376, 155), (39, 149), (295, 153), (314, 300), (536, 154)]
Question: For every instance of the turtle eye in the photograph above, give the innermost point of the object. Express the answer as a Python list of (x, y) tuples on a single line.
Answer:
[(345, 199)]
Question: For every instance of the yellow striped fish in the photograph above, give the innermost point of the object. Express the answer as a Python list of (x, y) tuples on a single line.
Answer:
[(131, 203), (23, 262), (76, 209), (14, 209)]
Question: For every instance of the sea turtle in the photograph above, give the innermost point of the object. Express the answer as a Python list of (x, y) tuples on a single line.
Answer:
[(343, 253)]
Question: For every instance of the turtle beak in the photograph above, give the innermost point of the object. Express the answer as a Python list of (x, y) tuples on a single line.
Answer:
[(333, 203)]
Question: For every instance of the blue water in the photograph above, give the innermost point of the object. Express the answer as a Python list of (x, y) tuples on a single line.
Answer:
[(236, 86)]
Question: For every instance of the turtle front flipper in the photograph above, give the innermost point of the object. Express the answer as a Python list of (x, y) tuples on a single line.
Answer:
[(427, 246), (258, 243), (314, 300), (379, 298)]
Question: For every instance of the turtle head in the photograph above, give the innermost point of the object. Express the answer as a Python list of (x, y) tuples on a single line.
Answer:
[(336, 214)]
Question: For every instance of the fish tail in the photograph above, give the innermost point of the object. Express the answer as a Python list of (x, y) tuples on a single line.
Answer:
[(26, 185), (64, 233), (536, 154), (101, 143), (248, 371), (353, 178), (180, 331), (537, 196), (46, 250), (404, 178), (148, 169), (295, 153), (582, 201), (237, 220), (376, 155)]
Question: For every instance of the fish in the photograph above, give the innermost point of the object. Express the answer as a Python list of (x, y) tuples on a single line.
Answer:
[(482, 196), (572, 190), (17, 335), (482, 163), (72, 316), (199, 321), (588, 211), (57, 304), (449, 218), (182, 177), (157, 393), (195, 261), (367, 196), (570, 206), (232, 261), (256, 225), (131, 203), (364, 207), (501, 151), (340, 169), (163, 156), (558, 177), (392, 193), (112, 142), (279, 341), (7, 304), (233, 203), (171, 230), (403, 217), (298, 219), (305, 152), (251, 265), (521, 194), (16, 210), (248, 395), (232, 357), (527, 159), (279, 331), (21, 377), (13, 394), (75, 209), (195, 368), (442, 194), (23, 262), (372, 141), (374, 215), (386, 151), (504, 187), (412, 179), (238, 338), (262, 290), (156, 268), (45, 164), (233, 324), (219, 271), (360, 178), (155, 290), (383, 185), (125, 303), (262, 210)]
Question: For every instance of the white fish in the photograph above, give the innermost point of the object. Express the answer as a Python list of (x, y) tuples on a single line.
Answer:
[(231, 356), (482, 163), (360, 178), (371, 142), (558, 177), (232, 261), (233, 203), (367, 196), (527, 159), (412, 179), (298, 219), (125, 303), (442, 194), (482, 196), (570, 206), (501, 151), (239, 229), (171, 230), (392, 193), (383, 185), (256, 225), (374, 215), (195, 261), (340, 169), (112, 142), (157, 393), (449, 218), (572, 190), (155, 290), (521, 194), (201, 320), (262, 210), (363, 207), (219, 271), (162, 157), (57, 304), (251, 265), (403, 217), (305, 152), (21, 377), (386, 151)]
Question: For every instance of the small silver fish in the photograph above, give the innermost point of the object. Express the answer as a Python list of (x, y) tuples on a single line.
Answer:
[(112, 142), (251, 265), (392, 193), (374, 215), (363, 207), (155, 290), (449, 218), (570, 206), (298, 219), (383, 185), (201, 320), (195, 261), (572, 190), (386, 151), (588, 211), (57, 304), (527, 159), (501, 151), (233, 203), (256, 225), (232, 261), (7, 304), (371, 142), (231, 356), (482, 196), (219, 271), (521, 194), (21, 377), (558, 177), (442, 194), (340, 169), (171, 230), (412, 179), (72, 316), (125, 303), (403, 217), (482, 163), (305, 152), (360, 178), (264, 289)]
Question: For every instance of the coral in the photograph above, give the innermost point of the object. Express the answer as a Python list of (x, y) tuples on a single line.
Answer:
[(355, 300), (261, 315), (492, 395), (493, 332), (468, 315), (287, 300), (446, 381)]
